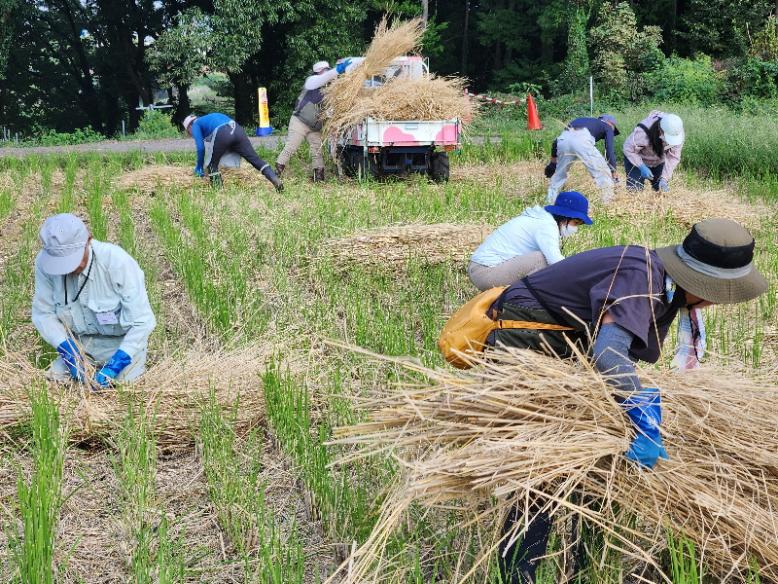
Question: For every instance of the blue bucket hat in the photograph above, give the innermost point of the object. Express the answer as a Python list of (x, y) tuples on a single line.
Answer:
[(612, 120), (571, 204)]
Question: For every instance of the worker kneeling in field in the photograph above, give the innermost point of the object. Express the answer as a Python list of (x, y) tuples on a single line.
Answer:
[(577, 142), (653, 150), (625, 298), (306, 122), (217, 135), (528, 242), (90, 304)]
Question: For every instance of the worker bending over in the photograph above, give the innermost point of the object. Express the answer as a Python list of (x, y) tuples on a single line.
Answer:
[(625, 298), (217, 135), (577, 142), (90, 303), (306, 122), (528, 242), (653, 150)]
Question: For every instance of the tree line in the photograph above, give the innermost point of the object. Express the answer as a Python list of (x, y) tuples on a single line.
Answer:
[(67, 64)]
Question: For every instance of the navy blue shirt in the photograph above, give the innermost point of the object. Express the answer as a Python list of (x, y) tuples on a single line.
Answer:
[(626, 281), (600, 131)]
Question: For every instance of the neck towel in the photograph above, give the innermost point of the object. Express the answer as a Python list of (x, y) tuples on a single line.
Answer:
[(691, 334)]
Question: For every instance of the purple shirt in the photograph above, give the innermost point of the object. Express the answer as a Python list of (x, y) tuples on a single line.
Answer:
[(626, 281)]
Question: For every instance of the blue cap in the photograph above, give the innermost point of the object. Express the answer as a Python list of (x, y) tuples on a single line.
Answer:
[(609, 118), (571, 204)]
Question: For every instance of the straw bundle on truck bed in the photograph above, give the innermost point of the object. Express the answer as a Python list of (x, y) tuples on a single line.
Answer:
[(172, 393), (347, 101), (530, 429)]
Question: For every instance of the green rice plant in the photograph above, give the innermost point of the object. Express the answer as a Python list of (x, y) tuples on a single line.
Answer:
[(685, 566), (6, 203), (67, 202), (96, 181), (40, 496)]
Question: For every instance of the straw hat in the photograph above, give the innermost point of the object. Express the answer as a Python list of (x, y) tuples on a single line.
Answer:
[(715, 262), (188, 121)]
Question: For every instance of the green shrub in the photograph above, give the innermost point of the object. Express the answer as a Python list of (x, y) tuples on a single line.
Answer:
[(689, 81), (155, 124), (753, 78), (79, 136)]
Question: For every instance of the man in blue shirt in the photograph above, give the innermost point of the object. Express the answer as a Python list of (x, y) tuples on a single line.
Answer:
[(577, 142), (216, 135)]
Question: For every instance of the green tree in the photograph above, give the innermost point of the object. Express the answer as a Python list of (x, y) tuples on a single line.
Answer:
[(575, 69), (6, 32), (622, 52), (721, 28)]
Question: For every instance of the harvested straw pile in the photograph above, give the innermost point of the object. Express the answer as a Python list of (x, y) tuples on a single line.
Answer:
[(153, 178), (688, 206), (348, 101), (531, 429), (397, 244), (172, 393)]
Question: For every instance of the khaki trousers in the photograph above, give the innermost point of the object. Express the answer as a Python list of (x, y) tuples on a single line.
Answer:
[(298, 132), (573, 145), (507, 272)]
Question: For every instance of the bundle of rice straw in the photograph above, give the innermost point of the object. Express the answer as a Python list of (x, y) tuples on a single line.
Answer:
[(153, 178), (172, 393), (348, 102), (397, 244), (532, 430)]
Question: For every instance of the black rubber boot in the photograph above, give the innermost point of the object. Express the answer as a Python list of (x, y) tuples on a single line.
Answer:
[(216, 179), (318, 175), (271, 176), (280, 169)]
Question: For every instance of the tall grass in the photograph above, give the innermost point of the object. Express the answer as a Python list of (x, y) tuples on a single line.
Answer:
[(40, 496)]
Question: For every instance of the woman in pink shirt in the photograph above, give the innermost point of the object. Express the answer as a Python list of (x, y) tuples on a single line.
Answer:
[(653, 150)]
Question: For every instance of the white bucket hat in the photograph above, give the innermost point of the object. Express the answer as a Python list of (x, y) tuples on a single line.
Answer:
[(64, 238), (320, 66), (672, 126), (188, 121)]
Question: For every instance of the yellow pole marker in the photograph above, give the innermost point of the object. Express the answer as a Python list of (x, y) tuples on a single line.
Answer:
[(264, 128)]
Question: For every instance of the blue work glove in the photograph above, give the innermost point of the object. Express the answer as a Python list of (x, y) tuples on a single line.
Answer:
[(342, 66), (114, 366), (199, 171), (72, 357), (644, 409), (663, 186), (645, 172)]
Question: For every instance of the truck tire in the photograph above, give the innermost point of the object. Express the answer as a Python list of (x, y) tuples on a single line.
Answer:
[(439, 167)]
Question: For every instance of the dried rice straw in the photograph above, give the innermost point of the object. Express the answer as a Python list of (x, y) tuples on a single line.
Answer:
[(172, 393), (528, 429), (153, 178)]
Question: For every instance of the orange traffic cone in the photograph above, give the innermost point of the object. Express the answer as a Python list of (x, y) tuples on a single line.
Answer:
[(533, 119)]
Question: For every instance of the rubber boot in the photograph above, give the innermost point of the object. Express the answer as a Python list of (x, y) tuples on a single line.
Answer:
[(280, 169), (271, 176), (318, 175), (216, 179)]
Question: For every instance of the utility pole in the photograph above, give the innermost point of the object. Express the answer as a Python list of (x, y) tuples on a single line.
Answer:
[(425, 10), (465, 34)]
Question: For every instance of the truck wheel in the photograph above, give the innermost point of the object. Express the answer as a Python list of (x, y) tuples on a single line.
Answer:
[(439, 166), (346, 160)]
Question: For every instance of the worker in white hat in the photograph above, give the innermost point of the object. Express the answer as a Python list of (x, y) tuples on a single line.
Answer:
[(217, 137), (653, 150), (90, 303), (306, 123)]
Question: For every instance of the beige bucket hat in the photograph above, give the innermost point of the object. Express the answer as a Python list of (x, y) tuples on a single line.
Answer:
[(715, 262)]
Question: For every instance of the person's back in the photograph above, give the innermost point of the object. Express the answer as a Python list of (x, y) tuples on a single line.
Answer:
[(519, 236)]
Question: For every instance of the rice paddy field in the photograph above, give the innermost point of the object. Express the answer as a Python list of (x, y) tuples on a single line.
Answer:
[(219, 465)]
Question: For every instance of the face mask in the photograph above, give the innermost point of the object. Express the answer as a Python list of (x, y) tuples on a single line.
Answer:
[(567, 230)]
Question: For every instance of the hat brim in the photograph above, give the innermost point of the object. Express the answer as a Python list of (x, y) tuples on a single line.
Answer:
[(716, 290), (564, 212), (60, 265), (674, 140)]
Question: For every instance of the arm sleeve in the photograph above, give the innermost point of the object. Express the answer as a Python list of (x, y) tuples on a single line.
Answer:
[(610, 154), (553, 149), (43, 315), (317, 81), (547, 240), (610, 354), (136, 311), (672, 158), (197, 134), (634, 144)]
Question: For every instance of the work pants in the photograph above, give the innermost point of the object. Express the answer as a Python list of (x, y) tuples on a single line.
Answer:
[(230, 139), (507, 272), (635, 182), (297, 133), (575, 145)]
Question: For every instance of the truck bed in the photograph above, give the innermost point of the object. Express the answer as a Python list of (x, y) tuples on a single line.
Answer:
[(377, 133)]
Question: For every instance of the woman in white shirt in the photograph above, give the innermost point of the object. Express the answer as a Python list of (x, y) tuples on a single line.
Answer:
[(528, 242)]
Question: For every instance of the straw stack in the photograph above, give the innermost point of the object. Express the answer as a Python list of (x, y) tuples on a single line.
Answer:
[(528, 429), (395, 245), (172, 393), (159, 177), (347, 101)]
